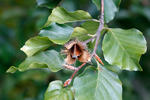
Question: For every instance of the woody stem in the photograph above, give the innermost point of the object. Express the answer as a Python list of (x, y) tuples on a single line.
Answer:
[(77, 70), (70, 79), (87, 41), (98, 33), (70, 67), (101, 25)]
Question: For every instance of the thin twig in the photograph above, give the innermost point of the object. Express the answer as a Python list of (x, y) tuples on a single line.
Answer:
[(87, 41), (101, 25), (98, 33), (77, 70), (70, 67), (70, 79)]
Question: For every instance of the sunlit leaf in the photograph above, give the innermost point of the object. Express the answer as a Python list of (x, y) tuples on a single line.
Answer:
[(85, 31), (124, 48), (35, 45), (56, 91), (95, 84), (57, 33), (46, 59), (61, 16), (90, 26), (80, 33), (109, 9)]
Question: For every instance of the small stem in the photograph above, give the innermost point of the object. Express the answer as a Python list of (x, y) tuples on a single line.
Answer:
[(101, 25), (77, 70), (70, 67), (87, 41), (98, 33), (70, 79)]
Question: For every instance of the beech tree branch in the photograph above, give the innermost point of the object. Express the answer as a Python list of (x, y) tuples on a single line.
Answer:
[(77, 70), (101, 25), (98, 33), (67, 82)]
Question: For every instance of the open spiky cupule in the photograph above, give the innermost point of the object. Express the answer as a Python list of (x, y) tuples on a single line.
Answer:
[(76, 50)]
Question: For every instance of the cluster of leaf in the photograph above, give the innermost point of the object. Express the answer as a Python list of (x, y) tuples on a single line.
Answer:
[(121, 48)]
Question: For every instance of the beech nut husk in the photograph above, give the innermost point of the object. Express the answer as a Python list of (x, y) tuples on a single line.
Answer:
[(76, 50)]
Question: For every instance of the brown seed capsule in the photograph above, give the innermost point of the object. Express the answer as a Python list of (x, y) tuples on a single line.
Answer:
[(76, 50)]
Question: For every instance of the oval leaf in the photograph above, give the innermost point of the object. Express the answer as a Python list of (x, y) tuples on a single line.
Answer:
[(55, 91), (124, 48), (35, 45), (61, 16), (86, 31), (97, 85), (80, 33), (51, 58), (90, 26), (47, 59), (57, 33)]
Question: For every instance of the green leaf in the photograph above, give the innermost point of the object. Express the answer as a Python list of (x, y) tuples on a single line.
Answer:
[(86, 31), (109, 9), (90, 26), (48, 3), (61, 16), (80, 33), (13, 69), (95, 84), (35, 45), (112, 68), (124, 48), (57, 33), (47, 59), (55, 91), (51, 58)]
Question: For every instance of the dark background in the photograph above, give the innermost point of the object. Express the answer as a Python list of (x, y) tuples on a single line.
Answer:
[(22, 19)]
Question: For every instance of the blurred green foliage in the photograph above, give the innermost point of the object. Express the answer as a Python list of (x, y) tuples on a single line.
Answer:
[(21, 19)]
